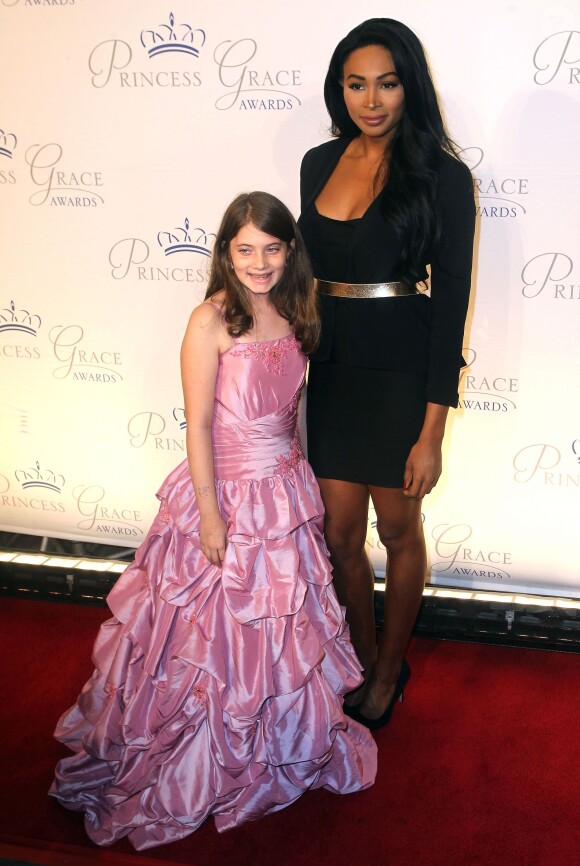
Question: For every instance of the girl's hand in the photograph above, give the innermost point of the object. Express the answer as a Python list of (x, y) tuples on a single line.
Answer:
[(213, 539), (423, 468)]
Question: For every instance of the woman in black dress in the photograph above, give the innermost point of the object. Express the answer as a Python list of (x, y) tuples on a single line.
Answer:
[(381, 202)]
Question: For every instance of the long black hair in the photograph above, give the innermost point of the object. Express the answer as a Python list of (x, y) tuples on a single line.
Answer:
[(409, 168), (294, 296)]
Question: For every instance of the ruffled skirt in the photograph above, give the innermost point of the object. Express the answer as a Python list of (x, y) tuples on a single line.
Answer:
[(217, 691)]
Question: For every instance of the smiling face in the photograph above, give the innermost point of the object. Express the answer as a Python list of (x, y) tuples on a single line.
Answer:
[(373, 94), (258, 259)]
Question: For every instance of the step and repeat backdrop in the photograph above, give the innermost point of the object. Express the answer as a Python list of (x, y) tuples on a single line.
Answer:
[(125, 130)]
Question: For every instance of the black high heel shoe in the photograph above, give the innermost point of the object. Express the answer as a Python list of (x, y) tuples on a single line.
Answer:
[(348, 708), (382, 720)]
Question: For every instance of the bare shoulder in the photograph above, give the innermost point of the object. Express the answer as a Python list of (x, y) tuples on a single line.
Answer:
[(206, 326), (208, 315), (216, 302)]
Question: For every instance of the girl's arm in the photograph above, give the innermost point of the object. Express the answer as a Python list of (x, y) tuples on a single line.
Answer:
[(204, 337)]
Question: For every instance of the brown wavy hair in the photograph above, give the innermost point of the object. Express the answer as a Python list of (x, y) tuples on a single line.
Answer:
[(294, 296)]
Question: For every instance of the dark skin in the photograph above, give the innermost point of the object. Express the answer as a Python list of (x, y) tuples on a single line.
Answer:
[(375, 100)]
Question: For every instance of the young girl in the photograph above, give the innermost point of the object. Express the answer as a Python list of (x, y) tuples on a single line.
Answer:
[(219, 680)]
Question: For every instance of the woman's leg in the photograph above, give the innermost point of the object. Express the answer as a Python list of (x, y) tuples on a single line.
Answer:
[(400, 529), (345, 528)]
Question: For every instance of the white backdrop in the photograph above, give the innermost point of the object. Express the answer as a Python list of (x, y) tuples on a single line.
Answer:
[(125, 130)]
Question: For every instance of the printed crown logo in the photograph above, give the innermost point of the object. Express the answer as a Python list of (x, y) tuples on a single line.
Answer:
[(19, 320), (184, 240), (37, 477), (179, 415), (172, 37), (8, 142)]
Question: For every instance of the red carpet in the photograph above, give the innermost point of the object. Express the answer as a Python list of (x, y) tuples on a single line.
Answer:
[(480, 765)]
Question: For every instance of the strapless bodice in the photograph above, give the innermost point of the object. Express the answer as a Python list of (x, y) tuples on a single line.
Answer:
[(254, 422)]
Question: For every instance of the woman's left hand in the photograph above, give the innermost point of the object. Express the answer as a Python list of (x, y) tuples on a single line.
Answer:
[(423, 468)]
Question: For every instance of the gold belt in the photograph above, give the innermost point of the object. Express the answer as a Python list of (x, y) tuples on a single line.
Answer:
[(366, 290)]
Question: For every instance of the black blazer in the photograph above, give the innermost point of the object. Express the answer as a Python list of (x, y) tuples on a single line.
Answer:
[(419, 332)]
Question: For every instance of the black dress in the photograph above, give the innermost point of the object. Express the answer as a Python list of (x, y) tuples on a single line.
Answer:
[(381, 360)]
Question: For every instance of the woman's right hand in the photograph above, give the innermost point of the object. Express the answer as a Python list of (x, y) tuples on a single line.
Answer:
[(213, 538)]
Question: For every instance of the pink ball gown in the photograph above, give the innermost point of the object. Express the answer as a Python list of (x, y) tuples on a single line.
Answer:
[(218, 691)]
